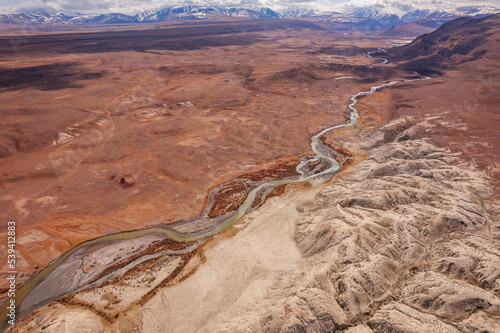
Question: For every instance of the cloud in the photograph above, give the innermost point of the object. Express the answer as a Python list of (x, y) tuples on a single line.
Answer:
[(136, 6), (83, 6), (399, 7), (93, 6)]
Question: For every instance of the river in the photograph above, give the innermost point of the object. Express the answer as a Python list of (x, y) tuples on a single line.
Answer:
[(66, 274)]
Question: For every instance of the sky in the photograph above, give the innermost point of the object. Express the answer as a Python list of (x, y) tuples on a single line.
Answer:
[(136, 6)]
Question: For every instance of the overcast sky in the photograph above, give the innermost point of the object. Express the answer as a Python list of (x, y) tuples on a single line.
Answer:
[(135, 6)]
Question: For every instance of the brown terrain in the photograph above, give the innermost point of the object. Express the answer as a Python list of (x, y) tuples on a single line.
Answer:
[(117, 130), (113, 131), (412, 29)]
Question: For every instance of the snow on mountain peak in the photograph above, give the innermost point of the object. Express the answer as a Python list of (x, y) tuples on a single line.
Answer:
[(373, 13), (420, 8)]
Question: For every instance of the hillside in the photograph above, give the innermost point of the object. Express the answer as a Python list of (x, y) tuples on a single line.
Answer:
[(408, 30), (456, 42)]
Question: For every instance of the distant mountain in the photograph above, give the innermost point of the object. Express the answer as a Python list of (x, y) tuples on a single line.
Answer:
[(166, 14), (477, 10), (35, 18), (385, 19), (427, 14), (424, 17), (203, 13), (299, 13), (345, 22), (368, 18), (412, 29), (113, 18)]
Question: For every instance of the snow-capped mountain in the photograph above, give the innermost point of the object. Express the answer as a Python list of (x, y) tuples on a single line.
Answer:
[(203, 12), (477, 10), (367, 17), (35, 18), (166, 14), (299, 13), (421, 7), (424, 14), (424, 17), (385, 19), (62, 19), (114, 18)]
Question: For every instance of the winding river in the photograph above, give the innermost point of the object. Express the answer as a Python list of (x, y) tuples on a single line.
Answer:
[(379, 50), (66, 274)]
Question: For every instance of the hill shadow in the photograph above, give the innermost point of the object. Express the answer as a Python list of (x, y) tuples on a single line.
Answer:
[(181, 37), (45, 77)]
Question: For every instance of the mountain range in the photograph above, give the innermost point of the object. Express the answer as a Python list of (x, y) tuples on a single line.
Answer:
[(365, 18)]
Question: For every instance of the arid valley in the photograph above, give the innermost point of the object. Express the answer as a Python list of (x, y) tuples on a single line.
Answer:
[(127, 152)]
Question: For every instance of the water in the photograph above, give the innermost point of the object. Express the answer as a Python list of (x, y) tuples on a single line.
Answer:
[(54, 281)]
